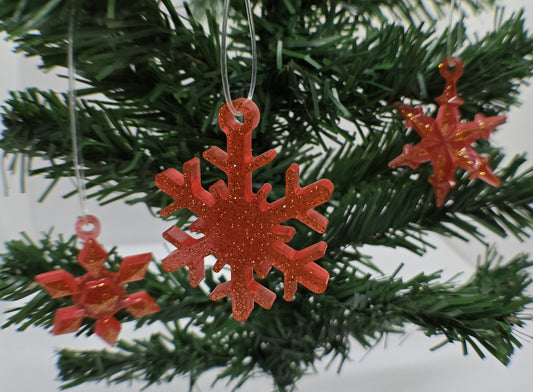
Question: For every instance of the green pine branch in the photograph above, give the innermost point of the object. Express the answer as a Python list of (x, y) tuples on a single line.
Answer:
[(330, 73), (380, 206), (483, 313), (379, 59), (128, 140)]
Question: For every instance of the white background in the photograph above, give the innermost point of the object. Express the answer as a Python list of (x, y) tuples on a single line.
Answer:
[(27, 360)]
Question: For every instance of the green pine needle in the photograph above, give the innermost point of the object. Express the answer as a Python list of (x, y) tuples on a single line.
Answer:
[(330, 74)]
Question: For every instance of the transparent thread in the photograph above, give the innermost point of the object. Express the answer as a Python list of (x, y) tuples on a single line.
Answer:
[(224, 55), (77, 159), (454, 4), (3, 171)]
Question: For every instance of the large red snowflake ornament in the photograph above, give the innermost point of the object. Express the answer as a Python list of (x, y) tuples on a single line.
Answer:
[(100, 293), (240, 228), (446, 141)]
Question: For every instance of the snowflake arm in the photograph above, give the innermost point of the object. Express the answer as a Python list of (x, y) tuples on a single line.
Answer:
[(298, 266), (219, 158), (244, 292), (415, 118), (443, 176), (186, 189), (477, 166), (412, 156), (299, 202), (481, 127), (58, 283), (190, 253)]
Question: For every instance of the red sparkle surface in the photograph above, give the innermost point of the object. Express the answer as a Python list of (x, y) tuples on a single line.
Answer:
[(240, 227), (99, 294), (446, 141)]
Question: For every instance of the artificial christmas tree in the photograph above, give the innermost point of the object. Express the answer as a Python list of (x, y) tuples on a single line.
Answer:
[(329, 75)]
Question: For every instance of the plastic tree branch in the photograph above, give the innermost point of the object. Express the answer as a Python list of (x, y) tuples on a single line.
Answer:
[(375, 307), (157, 71)]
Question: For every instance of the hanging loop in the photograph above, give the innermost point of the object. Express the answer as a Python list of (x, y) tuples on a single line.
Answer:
[(250, 117), (87, 227), (451, 68), (224, 54)]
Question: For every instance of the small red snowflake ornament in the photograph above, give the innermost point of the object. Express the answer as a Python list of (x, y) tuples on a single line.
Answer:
[(446, 141), (240, 228), (100, 293)]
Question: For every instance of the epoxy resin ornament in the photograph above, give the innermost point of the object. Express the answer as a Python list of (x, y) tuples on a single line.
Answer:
[(446, 141), (100, 293), (241, 229)]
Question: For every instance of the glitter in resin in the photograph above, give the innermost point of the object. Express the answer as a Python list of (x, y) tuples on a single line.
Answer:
[(100, 293), (446, 141), (240, 227)]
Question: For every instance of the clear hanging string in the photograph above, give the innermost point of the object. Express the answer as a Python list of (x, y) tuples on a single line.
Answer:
[(224, 55), (454, 5), (3, 173), (77, 159)]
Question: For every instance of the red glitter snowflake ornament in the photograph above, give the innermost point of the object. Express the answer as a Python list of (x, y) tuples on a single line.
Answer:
[(446, 141), (100, 293), (241, 229)]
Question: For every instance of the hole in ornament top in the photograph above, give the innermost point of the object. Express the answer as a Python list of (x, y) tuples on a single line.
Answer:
[(87, 227), (239, 118), (451, 67)]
